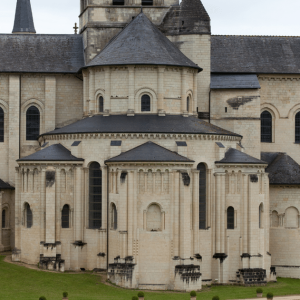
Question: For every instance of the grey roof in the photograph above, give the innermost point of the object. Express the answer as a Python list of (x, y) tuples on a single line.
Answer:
[(142, 124), (56, 152), (255, 54), (23, 17), (41, 53), (5, 186), (236, 81), (234, 156), (140, 42), (190, 17), (282, 168), (149, 152)]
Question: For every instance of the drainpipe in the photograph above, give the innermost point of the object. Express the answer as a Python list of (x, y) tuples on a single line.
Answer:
[(107, 215), (209, 106)]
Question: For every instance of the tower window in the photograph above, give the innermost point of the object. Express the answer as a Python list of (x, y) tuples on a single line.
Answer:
[(28, 216), (32, 123), (114, 217), (202, 196), (146, 103), (118, 2), (1, 125), (266, 127), (230, 217), (297, 127), (147, 2), (95, 196), (188, 104), (101, 104), (65, 217), (261, 210), (3, 218)]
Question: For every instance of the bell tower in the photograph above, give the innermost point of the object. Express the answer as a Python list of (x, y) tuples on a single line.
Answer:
[(101, 20), (23, 18)]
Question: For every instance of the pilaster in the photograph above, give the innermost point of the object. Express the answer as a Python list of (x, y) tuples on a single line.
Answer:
[(131, 82), (78, 204), (160, 84), (107, 89), (183, 91), (1, 199), (92, 90), (195, 210)]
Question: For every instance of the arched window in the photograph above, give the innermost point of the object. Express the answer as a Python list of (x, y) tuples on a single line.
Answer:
[(202, 196), (3, 218), (1, 125), (32, 123), (266, 127), (154, 218), (65, 217), (297, 127), (101, 104), (188, 104), (230, 217), (95, 196), (261, 212), (114, 217), (28, 212), (146, 103)]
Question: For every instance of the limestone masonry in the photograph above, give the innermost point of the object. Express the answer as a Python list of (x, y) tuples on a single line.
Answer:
[(149, 148)]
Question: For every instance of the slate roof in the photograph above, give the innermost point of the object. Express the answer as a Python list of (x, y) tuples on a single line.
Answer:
[(142, 124), (255, 54), (5, 186), (282, 168), (23, 17), (234, 156), (190, 17), (149, 152), (41, 53), (236, 81), (56, 152), (140, 42)]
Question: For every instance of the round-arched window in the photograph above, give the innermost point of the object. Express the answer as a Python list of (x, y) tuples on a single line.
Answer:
[(32, 123), (145, 103), (1, 125), (266, 127), (101, 104)]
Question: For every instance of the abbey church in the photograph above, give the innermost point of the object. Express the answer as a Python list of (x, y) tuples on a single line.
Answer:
[(148, 148)]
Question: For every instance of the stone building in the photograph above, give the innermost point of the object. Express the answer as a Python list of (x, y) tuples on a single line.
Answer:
[(147, 147)]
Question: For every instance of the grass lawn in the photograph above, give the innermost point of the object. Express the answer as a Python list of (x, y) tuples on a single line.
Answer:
[(20, 283)]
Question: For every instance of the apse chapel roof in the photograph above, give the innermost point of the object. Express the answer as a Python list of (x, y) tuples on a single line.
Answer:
[(282, 168), (5, 186), (142, 124), (141, 42), (56, 152), (234, 156), (149, 152)]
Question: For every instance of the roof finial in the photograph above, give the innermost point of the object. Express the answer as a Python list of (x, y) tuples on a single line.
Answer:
[(23, 19), (75, 28)]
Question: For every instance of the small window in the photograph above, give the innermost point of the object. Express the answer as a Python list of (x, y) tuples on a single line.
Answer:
[(3, 218), (65, 217), (154, 218), (266, 127), (261, 211), (32, 123), (147, 2), (297, 127), (118, 2), (202, 195), (188, 104), (146, 103), (101, 104), (230, 218), (114, 217), (1, 125), (28, 216)]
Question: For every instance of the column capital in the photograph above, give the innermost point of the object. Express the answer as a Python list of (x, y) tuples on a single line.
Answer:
[(195, 171)]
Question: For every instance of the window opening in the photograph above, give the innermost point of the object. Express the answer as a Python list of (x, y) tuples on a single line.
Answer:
[(3, 218), (260, 216), (147, 2), (95, 196), (297, 128), (32, 123), (230, 218), (202, 196), (146, 106), (118, 2), (65, 217), (28, 216), (1, 125), (266, 127), (188, 104), (101, 104), (226, 109), (114, 217)]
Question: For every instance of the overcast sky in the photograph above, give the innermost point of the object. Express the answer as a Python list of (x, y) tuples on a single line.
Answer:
[(241, 17)]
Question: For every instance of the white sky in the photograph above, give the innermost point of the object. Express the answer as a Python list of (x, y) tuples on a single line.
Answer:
[(254, 17)]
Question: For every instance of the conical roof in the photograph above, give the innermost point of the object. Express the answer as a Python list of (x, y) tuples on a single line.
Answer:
[(23, 18), (140, 42), (234, 156)]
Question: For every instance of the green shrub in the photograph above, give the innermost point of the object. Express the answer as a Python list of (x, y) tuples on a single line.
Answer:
[(135, 298), (216, 298), (42, 298), (270, 296), (141, 294), (193, 294), (259, 291), (65, 294)]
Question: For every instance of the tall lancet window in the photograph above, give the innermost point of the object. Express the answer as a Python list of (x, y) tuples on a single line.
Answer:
[(101, 104), (3, 218), (65, 217), (188, 104), (202, 196), (145, 103), (29, 219), (230, 217), (297, 127), (32, 123), (1, 125), (266, 127), (95, 196)]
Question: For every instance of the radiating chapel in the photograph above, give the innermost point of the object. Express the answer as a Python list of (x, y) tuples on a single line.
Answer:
[(148, 148)]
